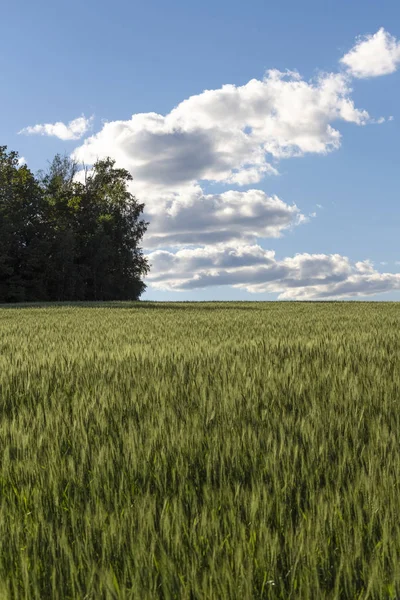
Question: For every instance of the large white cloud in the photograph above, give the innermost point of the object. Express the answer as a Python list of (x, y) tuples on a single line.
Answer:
[(373, 55), (74, 130), (235, 136), (230, 135), (250, 267)]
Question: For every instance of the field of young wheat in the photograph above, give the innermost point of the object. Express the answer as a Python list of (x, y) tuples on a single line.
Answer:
[(200, 451)]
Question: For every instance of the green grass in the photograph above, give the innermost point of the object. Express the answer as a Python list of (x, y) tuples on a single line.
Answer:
[(200, 451)]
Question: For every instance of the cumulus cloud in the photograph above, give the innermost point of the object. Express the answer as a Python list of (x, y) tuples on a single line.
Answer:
[(250, 267), (235, 136), (373, 55), (195, 218), (231, 135), (74, 130)]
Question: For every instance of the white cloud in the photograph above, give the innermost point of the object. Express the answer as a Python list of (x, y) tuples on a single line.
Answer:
[(373, 55), (250, 267), (21, 161), (235, 136), (74, 130), (195, 218), (230, 135)]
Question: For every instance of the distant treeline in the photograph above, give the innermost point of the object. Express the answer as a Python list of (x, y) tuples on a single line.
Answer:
[(65, 240)]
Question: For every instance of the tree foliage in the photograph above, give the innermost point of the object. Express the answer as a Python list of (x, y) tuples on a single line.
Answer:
[(62, 239)]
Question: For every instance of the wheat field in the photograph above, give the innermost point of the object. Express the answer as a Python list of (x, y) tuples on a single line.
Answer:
[(200, 451)]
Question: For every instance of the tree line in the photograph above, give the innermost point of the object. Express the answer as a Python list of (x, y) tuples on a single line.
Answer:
[(62, 239)]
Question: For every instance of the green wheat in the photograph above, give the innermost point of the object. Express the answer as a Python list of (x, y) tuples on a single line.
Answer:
[(200, 451)]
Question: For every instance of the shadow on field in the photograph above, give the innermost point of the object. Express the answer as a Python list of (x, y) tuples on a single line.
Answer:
[(143, 304), (183, 305)]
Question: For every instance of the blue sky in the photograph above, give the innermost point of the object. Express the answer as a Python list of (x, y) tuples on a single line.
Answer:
[(109, 62)]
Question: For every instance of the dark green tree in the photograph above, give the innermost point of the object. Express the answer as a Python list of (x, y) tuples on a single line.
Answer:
[(23, 246), (112, 263), (61, 239), (60, 198)]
